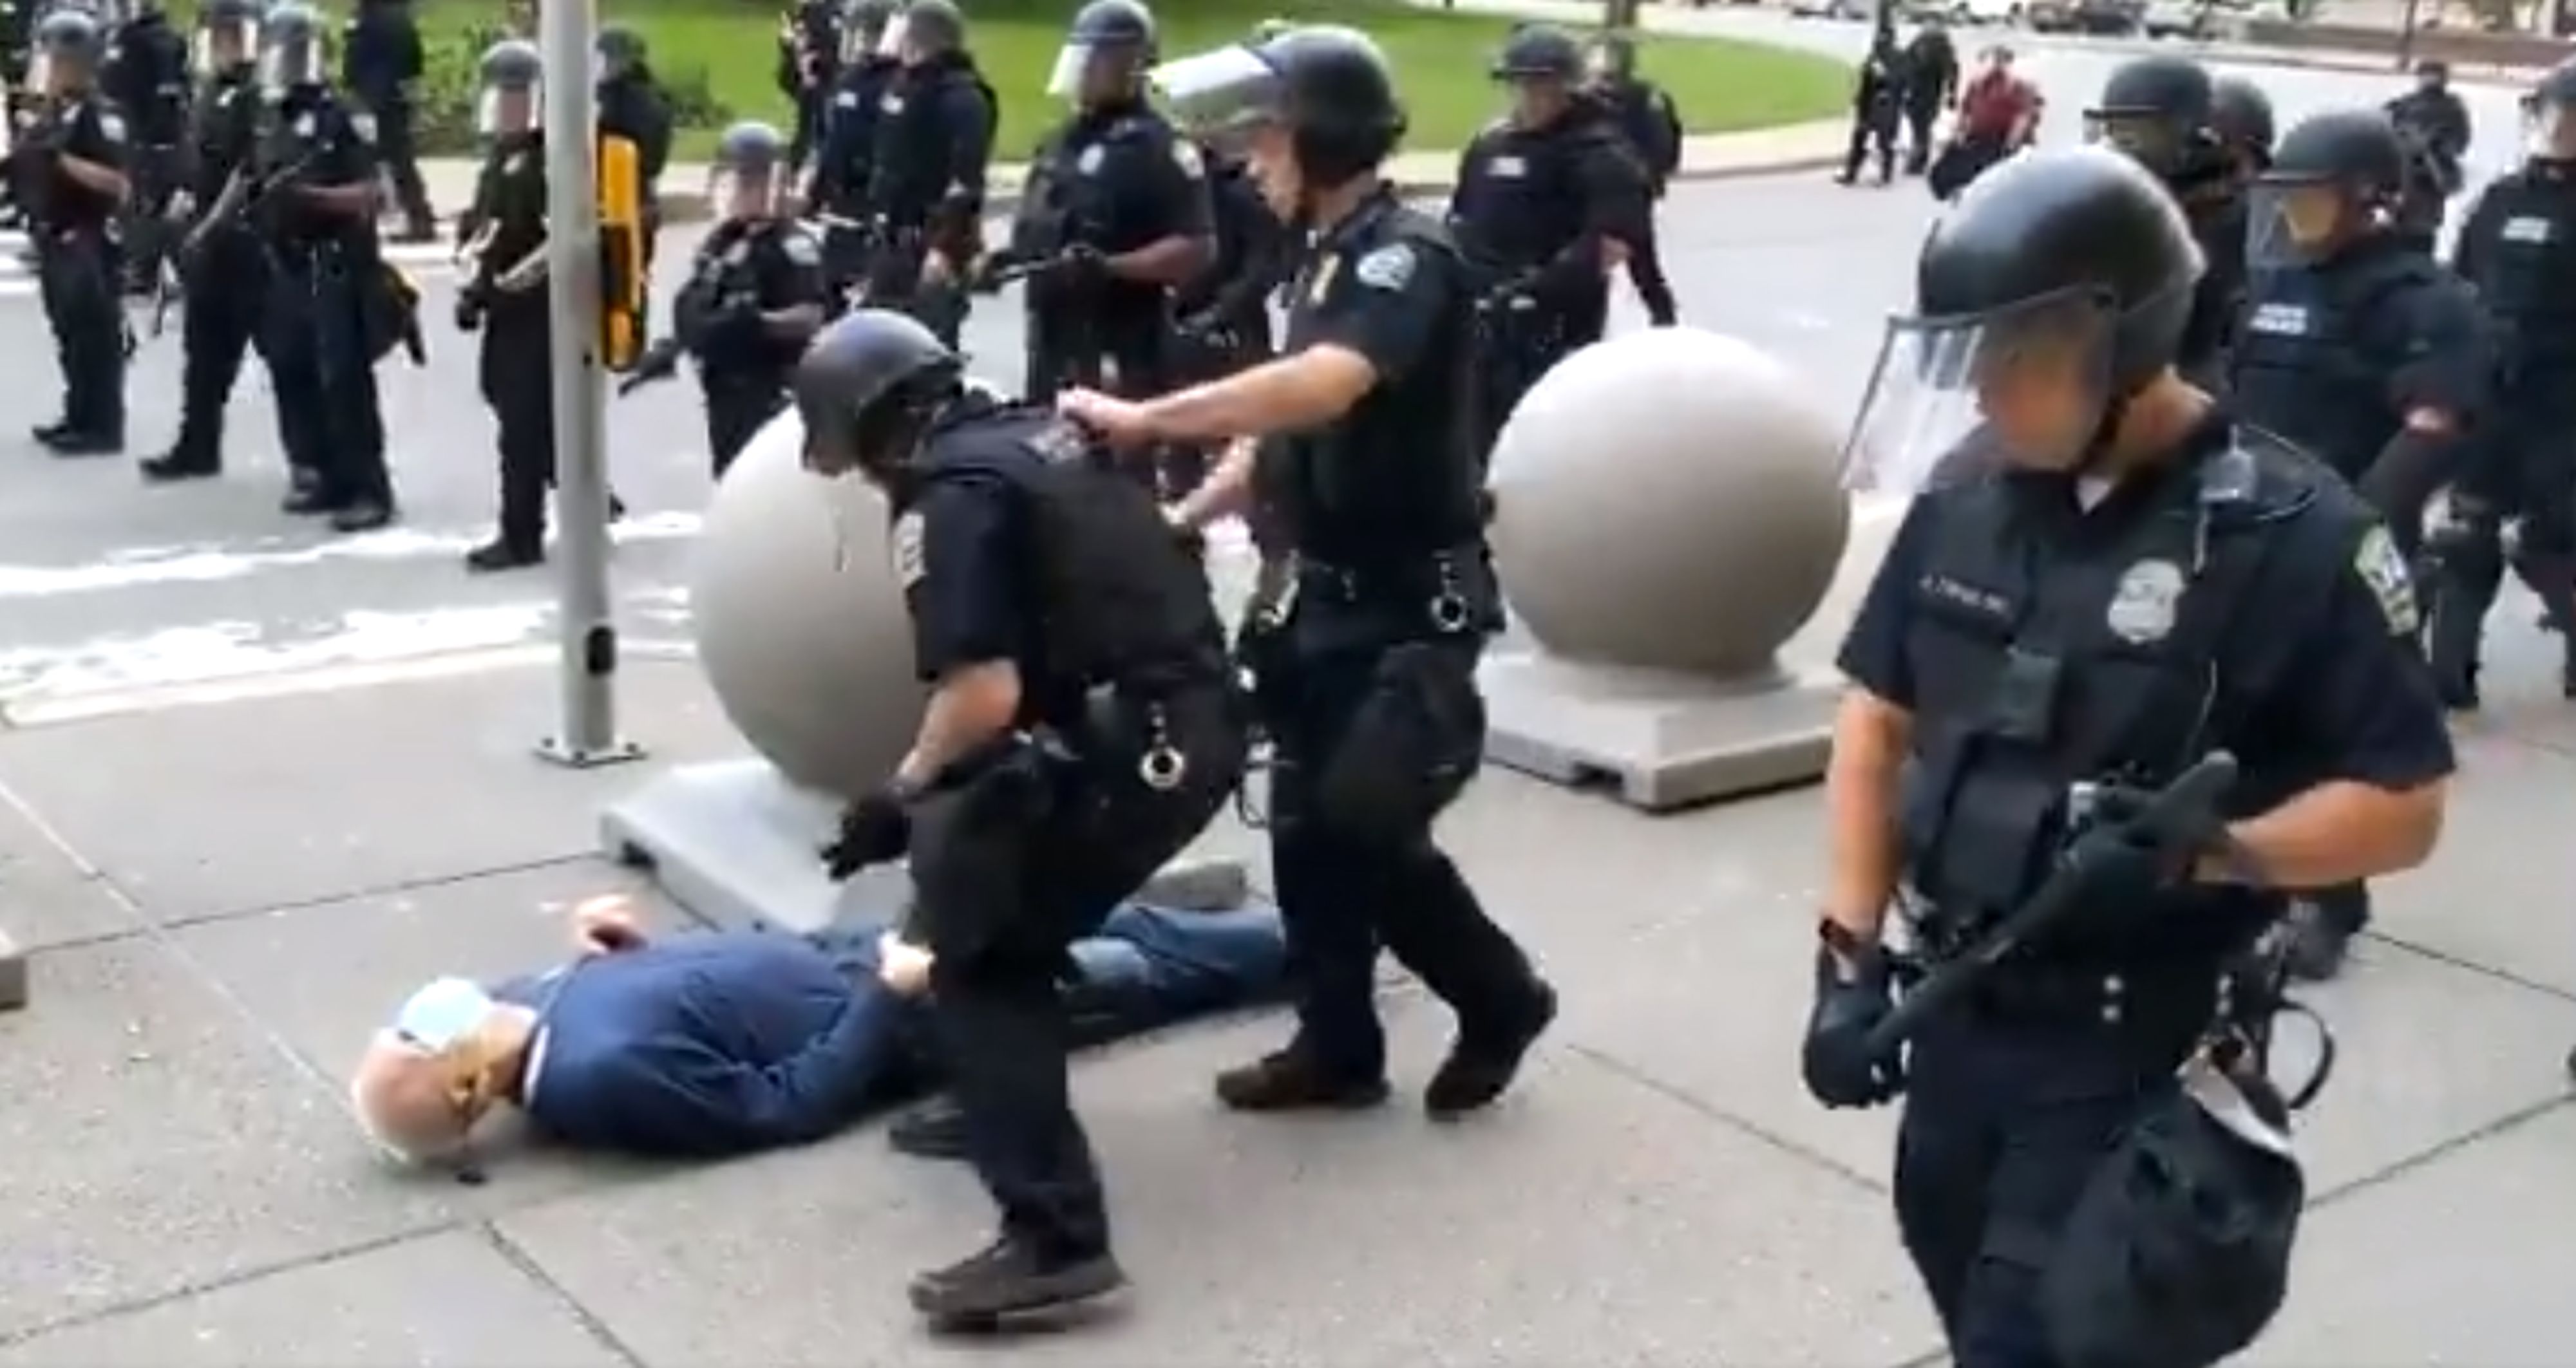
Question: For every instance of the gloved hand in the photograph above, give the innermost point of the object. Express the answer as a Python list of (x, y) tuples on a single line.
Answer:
[(1850, 1002), (1081, 266), (874, 829), (469, 311), (2120, 880)]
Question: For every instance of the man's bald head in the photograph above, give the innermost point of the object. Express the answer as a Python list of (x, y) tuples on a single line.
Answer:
[(409, 1101)]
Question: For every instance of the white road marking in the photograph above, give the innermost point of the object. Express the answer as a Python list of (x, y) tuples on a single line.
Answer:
[(420, 260)]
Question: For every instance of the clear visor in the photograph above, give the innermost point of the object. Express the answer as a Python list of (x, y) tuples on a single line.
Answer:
[(2146, 139), (860, 42), (40, 73), (2550, 128), (510, 109), (897, 30), (2024, 387), (1211, 94), (745, 194), (224, 45), (284, 68), (2291, 223)]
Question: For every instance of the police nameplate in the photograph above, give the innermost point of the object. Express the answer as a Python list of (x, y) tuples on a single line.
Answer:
[(2144, 606), (911, 562), (2383, 567)]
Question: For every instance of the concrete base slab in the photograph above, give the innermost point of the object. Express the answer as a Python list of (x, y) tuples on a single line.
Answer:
[(1659, 741), (735, 843)]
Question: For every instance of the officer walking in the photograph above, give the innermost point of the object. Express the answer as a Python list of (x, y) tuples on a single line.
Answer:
[(845, 165), (1931, 85), (934, 145), (503, 241), (1878, 102), (1367, 664), (1654, 128), (381, 65), (146, 79), (755, 295), (632, 105), (2364, 352), (2433, 126), (221, 263), (2517, 247), (317, 213), (2164, 113), (1546, 200), (73, 160), (2126, 581), (1116, 213), (1081, 731)]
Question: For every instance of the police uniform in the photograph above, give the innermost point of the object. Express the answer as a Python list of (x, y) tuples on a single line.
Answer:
[(1111, 179), (1222, 318), (845, 165), (146, 77), (808, 49), (633, 106), (744, 268), (78, 262), (934, 145), (515, 367), (1653, 128), (2517, 248), (2433, 124), (225, 273), (381, 63)]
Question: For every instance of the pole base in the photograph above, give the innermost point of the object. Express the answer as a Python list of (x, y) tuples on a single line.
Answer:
[(555, 750), (13, 975), (1655, 741)]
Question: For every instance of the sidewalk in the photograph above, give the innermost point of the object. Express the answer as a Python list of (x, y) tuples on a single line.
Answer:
[(1710, 156)]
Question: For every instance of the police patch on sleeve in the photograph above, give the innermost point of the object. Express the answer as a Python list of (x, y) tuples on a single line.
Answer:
[(1185, 155), (112, 127), (364, 125), (2383, 568), (1388, 268), (911, 562), (801, 250)]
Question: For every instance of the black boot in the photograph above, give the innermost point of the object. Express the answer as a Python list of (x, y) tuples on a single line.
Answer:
[(96, 443), (935, 1129), (1487, 1057), (183, 461), (362, 515), (304, 493), (504, 553), (1293, 1080), (1012, 1276)]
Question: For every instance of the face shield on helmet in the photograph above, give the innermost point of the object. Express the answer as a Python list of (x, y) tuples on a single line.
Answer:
[(2549, 128), (289, 65), (2026, 385), (506, 109), (896, 39), (861, 41), (1220, 95), (223, 45), (1086, 72), (2293, 223), (746, 192)]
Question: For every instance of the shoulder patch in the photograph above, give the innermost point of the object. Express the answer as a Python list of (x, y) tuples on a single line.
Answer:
[(2382, 568), (1185, 155), (911, 561), (364, 125), (1388, 268), (111, 126), (800, 247)]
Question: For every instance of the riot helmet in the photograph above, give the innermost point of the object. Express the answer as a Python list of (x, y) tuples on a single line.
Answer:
[(2050, 294), (2333, 178), (2432, 76), (68, 46), (227, 37), (291, 49), (1271, 28), (619, 51), (1540, 64), (749, 175), (2160, 110), (513, 95), (1310, 110), (2241, 115), (863, 29), (868, 389), (1104, 54), (2549, 114), (923, 31)]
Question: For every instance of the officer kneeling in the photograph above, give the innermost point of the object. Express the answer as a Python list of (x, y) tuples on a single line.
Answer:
[(1082, 731), (2114, 581)]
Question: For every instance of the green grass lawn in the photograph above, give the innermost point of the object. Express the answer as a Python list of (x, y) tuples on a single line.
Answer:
[(1440, 59)]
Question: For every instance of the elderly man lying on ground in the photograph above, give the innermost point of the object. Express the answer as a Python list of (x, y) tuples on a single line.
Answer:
[(712, 1043)]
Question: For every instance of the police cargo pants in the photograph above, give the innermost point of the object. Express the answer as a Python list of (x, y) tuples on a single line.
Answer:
[(76, 275), (217, 326), (520, 388)]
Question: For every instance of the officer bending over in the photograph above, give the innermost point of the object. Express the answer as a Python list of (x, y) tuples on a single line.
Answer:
[(1081, 730), (2164, 112), (73, 162), (2128, 579), (1547, 199), (221, 265), (2517, 248), (845, 163), (503, 241), (632, 105), (1115, 216), (1654, 129), (755, 295), (146, 78), (1366, 663), (2365, 353), (934, 145)]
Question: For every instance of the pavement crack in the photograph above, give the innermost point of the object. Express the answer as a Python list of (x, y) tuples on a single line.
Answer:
[(2427, 1157), (238, 1277), (2488, 971), (519, 1258), (422, 884), (1725, 1118)]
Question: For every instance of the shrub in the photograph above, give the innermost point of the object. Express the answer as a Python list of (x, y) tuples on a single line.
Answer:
[(451, 86)]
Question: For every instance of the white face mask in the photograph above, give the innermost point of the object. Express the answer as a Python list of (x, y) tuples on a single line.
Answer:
[(444, 1012)]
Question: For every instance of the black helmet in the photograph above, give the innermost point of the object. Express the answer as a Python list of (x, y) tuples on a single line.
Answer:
[(2330, 177), (1112, 41), (290, 43), (2556, 89), (2241, 114), (2433, 71), (513, 79), (750, 146), (512, 64), (1328, 85), (1112, 24), (866, 389), (2074, 258), (931, 27), (1539, 52), (2160, 110), (71, 39), (863, 26), (620, 50)]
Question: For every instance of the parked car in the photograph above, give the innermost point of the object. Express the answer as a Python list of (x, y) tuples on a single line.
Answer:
[(2111, 17), (1830, 9), (2193, 19)]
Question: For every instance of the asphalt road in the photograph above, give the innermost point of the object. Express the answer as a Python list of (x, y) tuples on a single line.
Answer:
[(107, 586)]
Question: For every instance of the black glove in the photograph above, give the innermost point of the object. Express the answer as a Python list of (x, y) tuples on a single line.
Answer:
[(874, 829), (469, 311), (1081, 266), (1839, 1068), (2121, 882)]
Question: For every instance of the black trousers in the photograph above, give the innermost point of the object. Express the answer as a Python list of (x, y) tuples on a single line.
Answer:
[(1003, 888), (518, 382), (324, 375), (218, 325), (399, 154), (1646, 274), (1872, 130), (77, 279), (738, 406), (1919, 119)]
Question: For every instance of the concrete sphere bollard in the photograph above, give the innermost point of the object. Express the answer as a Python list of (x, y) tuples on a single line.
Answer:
[(1668, 500), (800, 624)]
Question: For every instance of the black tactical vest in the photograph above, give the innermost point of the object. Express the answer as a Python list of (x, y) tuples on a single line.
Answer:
[(2311, 362), (2525, 274)]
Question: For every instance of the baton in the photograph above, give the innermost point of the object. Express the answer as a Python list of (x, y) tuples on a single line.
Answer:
[(2177, 810)]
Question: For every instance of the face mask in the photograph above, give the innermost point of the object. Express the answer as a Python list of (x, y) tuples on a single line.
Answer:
[(442, 1014)]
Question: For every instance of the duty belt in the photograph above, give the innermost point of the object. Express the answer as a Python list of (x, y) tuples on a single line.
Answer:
[(1444, 581)]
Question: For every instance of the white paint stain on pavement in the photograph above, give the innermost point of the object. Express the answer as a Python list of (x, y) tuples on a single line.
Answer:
[(205, 651)]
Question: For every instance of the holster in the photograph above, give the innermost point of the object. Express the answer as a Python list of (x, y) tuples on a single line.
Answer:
[(970, 836), (1411, 747)]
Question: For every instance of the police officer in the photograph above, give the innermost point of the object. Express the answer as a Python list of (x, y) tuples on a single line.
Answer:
[(2433, 126), (146, 78), (1645, 113), (1117, 211), (316, 166), (1931, 84), (2242, 117), (504, 239), (934, 146), (1222, 317), (2127, 580), (2517, 247), (845, 165), (755, 294), (73, 159), (220, 260), (381, 65), (1080, 733), (1878, 103), (1367, 664), (2163, 112), (2363, 351), (632, 105), (809, 45), (1546, 198)]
